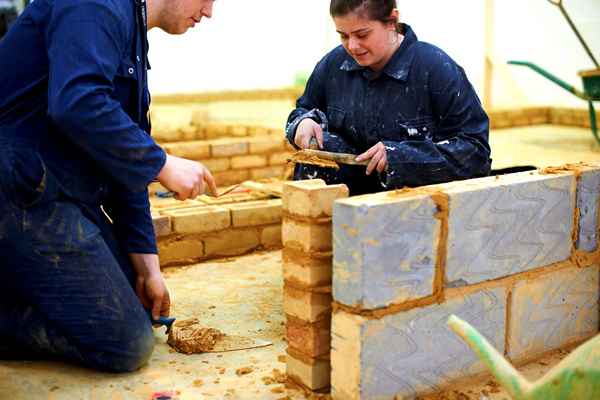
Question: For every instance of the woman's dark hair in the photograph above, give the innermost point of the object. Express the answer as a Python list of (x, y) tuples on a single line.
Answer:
[(376, 10)]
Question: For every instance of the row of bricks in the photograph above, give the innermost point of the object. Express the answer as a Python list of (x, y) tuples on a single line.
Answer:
[(539, 116), (522, 321), (202, 130), (291, 93), (386, 245), (202, 218), (306, 236), (271, 150), (229, 242)]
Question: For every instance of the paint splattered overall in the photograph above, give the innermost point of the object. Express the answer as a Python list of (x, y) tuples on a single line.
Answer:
[(421, 106), (74, 139)]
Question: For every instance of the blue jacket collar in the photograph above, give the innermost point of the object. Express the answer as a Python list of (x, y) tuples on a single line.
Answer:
[(399, 65)]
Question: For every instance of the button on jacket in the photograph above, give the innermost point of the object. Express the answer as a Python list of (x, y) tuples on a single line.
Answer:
[(421, 106), (73, 110)]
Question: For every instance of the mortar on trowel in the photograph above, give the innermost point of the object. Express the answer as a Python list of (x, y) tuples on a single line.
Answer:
[(326, 159), (190, 337)]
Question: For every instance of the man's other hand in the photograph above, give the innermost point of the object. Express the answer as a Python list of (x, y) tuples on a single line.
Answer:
[(188, 179), (150, 285), (306, 130), (378, 157)]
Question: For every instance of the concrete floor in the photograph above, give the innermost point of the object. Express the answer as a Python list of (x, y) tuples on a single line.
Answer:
[(243, 296)]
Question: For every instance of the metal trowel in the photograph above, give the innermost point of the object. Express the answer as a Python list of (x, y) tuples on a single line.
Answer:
[(225, 344)]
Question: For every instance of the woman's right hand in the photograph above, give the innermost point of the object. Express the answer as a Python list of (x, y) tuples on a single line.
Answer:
[(306, 130), (186, 178)]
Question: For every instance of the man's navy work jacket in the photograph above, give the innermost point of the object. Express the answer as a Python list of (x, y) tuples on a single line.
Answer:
[(421, 106), (73, 111)]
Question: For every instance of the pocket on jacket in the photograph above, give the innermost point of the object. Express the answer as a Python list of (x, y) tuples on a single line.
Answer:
[(416, 128)]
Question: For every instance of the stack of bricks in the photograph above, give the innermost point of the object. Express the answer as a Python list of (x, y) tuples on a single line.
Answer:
[(576, 117), (197, 230), (306, 237), (291, 93), (234, 160), (515, 255)]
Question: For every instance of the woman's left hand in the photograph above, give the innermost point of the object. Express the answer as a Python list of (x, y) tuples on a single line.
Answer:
[(378, 157)]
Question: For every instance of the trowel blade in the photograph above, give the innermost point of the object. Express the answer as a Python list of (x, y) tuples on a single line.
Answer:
[(233, 343)]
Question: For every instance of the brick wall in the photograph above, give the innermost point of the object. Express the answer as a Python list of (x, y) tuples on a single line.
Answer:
[(575, 117), (516, 256)]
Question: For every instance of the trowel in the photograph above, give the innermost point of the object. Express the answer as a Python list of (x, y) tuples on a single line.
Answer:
[(225, 344)]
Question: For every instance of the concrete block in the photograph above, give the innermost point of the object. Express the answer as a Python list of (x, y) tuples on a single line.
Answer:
[(306, 270), (251, 161), (280, 158), (266, 144), (499, 227), (384, 249), (186, 250), (231, 242), (228, 147), (200, 219), (588, 195), (217, 164), (276, 171), (256, 213), (193, 150), (412, 352), (305, 236), (270, 236), (312, 339), (305, 305), (162, 224), (231, 177), (314, 374), (551, 311), (311, 198)]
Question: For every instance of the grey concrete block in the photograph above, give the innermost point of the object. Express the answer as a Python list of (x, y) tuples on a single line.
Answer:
[(509, 225), (384, 249), (588, 191), (411, 352), (551, 311)]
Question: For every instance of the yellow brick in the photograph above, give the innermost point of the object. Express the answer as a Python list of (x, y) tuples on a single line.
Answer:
[(200, 219), (265, 145), (275, 171), (231, 177), (215, 130), (163, 204), (182, 251), (193, 150), (304, 270), (217, 164), (228, 147), (188, 133), (232, 242), (270, 236), (315, 375), (311, 198), (305, 305), (255, 213), (251, 161), (200, 117), (258, 131), (280, 158), (162, 224), (237, 131), (306, 237)]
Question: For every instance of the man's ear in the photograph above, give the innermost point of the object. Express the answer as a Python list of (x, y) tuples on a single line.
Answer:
[(395, 16)]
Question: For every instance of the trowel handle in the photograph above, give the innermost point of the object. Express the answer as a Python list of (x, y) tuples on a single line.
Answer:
[(162, 321)]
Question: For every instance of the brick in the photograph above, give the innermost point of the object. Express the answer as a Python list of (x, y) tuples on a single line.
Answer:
[(251, 161), (276, 171), (231, 177), (306, 237), (256, 213), (200, 117), (507, 225), (232, 242), (280, 158), (259, 145), (200, 219), (270, 236), (552, 311), (314, 374), (305, 305), (217, 164), (228, 147), (306, 270), (215, 130), (190, 132), (162, 224), (588, 195), (193, 150), (258, 131), (186, 250), (237, 131), (311, 198), (163, 204), (166, 134), (411, 352), (310, 338), (384, 249)]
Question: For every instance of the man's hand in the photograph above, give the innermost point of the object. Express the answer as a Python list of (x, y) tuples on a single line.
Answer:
[(378, 157), (306, 130), (150, 286), (186, 178)]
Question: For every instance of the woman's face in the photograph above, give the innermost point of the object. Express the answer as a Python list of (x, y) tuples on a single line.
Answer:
[(370, 43)]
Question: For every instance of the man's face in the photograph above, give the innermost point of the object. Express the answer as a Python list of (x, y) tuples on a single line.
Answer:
[(367, 41), (180, 15)]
